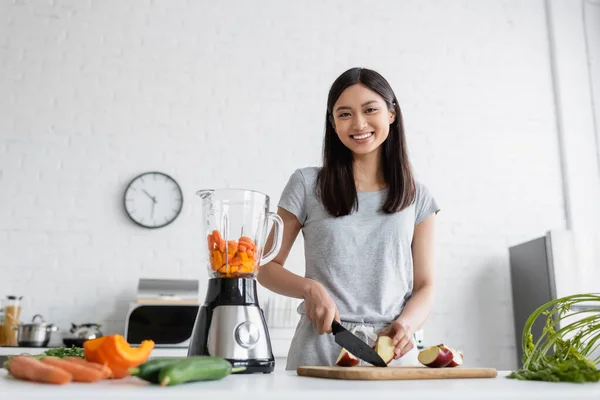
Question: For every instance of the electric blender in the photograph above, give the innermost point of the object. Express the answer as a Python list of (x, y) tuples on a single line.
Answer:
[(230, 323)]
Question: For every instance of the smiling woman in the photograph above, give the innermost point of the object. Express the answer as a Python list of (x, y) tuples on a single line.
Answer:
[(367, 227), (364, 125)]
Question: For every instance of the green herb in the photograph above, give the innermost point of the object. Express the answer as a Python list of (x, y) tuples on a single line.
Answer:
[(571, 344), (63, 352), (60, 352)]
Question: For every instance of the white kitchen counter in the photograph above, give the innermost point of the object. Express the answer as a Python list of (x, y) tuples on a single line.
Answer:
[(157, 352), (289, 386)]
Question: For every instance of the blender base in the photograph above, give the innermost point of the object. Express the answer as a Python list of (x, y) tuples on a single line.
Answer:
[(231, 325), (254, 366)]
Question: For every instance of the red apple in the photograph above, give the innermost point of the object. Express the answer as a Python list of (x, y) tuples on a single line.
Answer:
[(346, 359), (457, 358), (435, 356), (385, 348)]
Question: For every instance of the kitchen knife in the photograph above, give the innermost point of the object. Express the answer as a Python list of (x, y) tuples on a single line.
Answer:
[(354, 345)]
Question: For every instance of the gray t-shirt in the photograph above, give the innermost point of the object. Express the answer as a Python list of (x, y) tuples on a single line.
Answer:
[(363, 259)]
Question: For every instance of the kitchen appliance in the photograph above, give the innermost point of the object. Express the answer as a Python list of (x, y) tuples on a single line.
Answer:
[(395, 373), (164, 311), (35, 334), (81, 333), (354, 345), (558, 264), (230, 323)]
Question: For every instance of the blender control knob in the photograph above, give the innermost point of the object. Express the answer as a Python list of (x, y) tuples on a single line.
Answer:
[(247, 334)]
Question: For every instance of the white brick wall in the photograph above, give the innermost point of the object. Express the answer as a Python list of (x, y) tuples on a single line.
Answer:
[(233, 93)]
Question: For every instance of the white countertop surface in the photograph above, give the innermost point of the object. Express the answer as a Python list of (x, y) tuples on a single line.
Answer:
[(289, 386), (157, 352)]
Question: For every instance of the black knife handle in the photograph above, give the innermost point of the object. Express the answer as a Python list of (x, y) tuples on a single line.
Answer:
[(336, 327)]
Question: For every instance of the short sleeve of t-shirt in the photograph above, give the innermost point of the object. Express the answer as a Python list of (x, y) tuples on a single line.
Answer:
[(293, 197), (425, 203)]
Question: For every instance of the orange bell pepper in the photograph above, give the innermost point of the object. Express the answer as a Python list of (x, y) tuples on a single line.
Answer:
[(114, 352)]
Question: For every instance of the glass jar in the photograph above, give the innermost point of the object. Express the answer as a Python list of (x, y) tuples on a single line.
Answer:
[(12, 312), (1, 322), (235, 225)]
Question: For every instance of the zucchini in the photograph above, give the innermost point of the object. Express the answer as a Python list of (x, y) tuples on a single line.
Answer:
[(197, 368), (149, 370)]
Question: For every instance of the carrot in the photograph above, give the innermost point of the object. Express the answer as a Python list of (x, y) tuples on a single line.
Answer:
[(246, 269), (223, 269), (213, 262), (80, 373), (28, 368), (217, 259), (106, 372), (248, 240), (219, 240)]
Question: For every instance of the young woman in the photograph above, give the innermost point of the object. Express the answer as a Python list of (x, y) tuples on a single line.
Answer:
[(368, 228)]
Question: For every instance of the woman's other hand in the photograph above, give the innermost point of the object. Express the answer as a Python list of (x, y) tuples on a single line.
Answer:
[(402, 337)]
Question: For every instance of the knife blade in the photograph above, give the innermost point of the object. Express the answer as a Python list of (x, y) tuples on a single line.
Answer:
[(354, 345)]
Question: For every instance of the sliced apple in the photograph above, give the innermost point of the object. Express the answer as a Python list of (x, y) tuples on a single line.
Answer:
[(346, 359), (435, 356), (457, 358), (385, 348)]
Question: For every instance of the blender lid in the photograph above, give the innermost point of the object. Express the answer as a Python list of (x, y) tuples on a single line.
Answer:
[(204, 193), (14, 297)]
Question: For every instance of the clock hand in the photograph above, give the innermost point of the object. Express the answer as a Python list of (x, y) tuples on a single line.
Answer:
[(152, 210), (148, 194), (153, 198)]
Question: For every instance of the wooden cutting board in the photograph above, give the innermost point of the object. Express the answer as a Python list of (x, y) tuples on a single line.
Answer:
[(395, 373)]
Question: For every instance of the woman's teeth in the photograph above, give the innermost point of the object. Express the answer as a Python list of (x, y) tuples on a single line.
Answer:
[(363, 136)]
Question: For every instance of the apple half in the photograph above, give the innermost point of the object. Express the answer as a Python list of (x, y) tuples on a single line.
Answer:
[(346, 359), (457, 358), (435, 356), (385, 348)]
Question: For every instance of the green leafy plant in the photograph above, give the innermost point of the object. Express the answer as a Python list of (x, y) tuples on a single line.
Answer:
[(63, 352), (60, 352), (570, 346)]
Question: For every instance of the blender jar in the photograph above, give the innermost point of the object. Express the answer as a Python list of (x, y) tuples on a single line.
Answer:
[(235, 225)]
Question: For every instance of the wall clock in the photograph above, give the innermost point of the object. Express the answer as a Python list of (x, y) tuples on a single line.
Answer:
[(153, 200)]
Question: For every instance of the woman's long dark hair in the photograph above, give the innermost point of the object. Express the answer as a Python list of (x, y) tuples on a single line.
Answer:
[(335, 182)]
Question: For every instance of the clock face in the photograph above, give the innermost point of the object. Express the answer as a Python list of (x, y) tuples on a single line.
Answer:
[(153, 200)]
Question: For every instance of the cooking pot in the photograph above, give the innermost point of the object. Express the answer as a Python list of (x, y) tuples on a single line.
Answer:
[(35, 334), (81, 333)]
